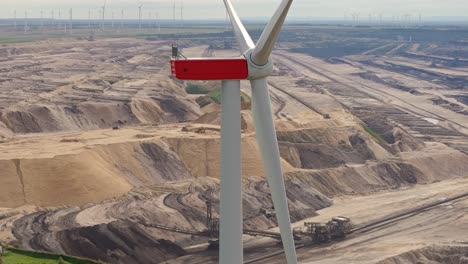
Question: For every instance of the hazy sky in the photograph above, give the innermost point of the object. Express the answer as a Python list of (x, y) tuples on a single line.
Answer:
[(209, 9)]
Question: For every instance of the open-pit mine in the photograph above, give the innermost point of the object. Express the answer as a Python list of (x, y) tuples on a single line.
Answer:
[(105, 156)]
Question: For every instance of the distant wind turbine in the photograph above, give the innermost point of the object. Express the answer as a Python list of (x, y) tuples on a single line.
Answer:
[(25, 22), (99, 22), (149, 19), (227, 22), (59, 18), (174, 13), (121, 18), (139, 16), (89, 18), (42, 19), (159, 22), (356, 18), (182, 14), (71, 21), (103, 14)]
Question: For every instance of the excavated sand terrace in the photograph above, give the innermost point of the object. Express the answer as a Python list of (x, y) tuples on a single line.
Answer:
[(49, 145)]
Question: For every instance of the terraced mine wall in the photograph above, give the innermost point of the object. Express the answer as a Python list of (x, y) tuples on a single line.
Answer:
[(163, 181), (98, 114), (60, 86)]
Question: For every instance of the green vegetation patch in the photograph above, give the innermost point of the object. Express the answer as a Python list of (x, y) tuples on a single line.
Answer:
[(374, 134), (17, 256), (216, 96), (192, 88), (20, 39)]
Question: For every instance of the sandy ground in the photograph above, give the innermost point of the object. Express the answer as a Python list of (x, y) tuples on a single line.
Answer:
[(415, 104), (317, 106), (444, 224), (345, 83), (441, 225), (67, 143)]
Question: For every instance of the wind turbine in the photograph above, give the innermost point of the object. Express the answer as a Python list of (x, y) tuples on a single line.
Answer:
[(139, 16), (356, 18), (89, 18), (99, 22), (174, 13), (121, 18), (227, 22), (15, 19), (25, 22), (59, 18), (149, 19), (103, 14), (182, 16), (255, 65), (42, 20), (159, 22), (71, 21)]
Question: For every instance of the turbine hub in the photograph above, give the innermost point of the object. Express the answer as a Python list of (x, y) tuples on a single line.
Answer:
[(258, 71)]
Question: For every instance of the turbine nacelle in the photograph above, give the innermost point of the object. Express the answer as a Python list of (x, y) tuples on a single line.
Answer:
[(241, 68), (219, 69)]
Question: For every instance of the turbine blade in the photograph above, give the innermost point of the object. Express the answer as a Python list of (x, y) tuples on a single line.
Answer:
[(270, 34), (242, 36), (268, 144), (231, 250)]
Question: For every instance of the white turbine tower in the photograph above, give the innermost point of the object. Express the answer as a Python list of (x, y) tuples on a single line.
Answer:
[(255, 65)]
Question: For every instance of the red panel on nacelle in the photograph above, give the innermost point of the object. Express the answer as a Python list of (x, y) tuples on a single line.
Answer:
[(210, 69)]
